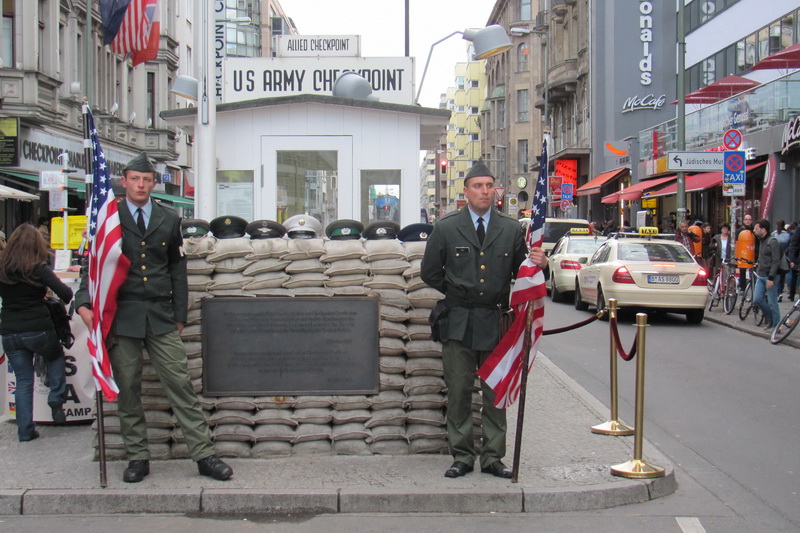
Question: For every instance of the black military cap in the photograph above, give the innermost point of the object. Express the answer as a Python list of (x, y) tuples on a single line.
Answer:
[(478, 170), (303, 227), (415, 232), (345, 229), (228, 227), (265, 229), (382, 229), (194, 227), (140, 163)]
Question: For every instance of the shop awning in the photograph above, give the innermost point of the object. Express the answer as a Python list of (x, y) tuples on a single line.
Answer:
[(77, 184), (634, 192), (175, 200), (593, 185), (10, 193), (698, 182)]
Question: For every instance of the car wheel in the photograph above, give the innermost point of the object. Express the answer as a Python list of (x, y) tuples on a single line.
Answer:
[(580, 305), (554, 294), (601, 303), (695, 316)]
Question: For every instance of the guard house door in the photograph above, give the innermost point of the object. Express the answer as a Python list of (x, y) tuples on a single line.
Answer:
[(307, 174)]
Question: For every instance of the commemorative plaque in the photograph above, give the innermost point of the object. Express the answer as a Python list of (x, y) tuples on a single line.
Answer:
[(290, 346)]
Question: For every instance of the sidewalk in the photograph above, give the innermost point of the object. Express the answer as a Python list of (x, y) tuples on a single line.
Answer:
[(717, 316), (564, 467)]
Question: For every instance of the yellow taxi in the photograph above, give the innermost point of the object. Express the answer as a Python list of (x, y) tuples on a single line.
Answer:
[(570, 253), (643, 270)]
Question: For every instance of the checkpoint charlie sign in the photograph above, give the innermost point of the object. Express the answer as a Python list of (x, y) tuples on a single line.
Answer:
[(319, 45), (391, 78)]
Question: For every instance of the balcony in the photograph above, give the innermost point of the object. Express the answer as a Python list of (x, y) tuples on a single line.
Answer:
[(541, 21), (559, 8)]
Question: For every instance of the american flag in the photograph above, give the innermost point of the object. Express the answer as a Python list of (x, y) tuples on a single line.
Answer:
[(134, 31), (108, 267), (502, 370)]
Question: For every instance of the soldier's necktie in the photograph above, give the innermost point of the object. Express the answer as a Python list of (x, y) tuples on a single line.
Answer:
[(140, 220), (481, 230)]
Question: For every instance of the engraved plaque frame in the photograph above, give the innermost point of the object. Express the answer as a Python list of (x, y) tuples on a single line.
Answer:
[(285, 346)]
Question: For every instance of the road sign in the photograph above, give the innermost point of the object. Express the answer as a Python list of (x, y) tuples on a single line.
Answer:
[(566, 192), (732, 139), (565, 205), (734, 174), (694, 161), (500, 191), (52, 179)]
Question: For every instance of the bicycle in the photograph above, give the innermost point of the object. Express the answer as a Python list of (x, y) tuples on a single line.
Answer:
[(747, 304), (723, 288), (786, 324)]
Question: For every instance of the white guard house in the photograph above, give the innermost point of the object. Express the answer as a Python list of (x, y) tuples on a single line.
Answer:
[(326, 156)]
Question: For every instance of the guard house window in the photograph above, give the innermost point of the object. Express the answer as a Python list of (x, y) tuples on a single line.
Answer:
[(380, 195), (522, 58), (522, 105), (308, 183)]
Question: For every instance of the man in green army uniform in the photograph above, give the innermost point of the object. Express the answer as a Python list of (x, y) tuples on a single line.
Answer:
[(152, 307), (472, 256)]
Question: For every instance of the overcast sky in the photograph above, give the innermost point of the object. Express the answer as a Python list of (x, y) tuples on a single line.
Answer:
[(381, 25)]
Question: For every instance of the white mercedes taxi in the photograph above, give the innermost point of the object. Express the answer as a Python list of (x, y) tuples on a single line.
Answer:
[(570, 253), (643, 270)]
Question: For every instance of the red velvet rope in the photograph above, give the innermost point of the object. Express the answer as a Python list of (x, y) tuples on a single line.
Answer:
[(575, 325), (615, 333)]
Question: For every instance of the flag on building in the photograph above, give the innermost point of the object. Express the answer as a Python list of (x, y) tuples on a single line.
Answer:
[(131, 26), (502, 370), (108, 267)]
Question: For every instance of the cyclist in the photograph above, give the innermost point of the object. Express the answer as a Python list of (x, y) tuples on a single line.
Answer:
[(721, 247), (765, 292)]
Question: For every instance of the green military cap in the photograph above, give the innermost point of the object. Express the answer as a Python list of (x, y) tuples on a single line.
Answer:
[(415, 232), (345, 229), (265, 229), (478, 170), (140, 163), (382, 229), (302, 227), (228, 227), (194, 227)]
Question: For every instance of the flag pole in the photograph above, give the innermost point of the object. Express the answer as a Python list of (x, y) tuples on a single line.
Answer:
[(526, 348), (101, 425)]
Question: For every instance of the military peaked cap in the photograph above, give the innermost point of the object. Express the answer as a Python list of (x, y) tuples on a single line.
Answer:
[(478, 170), (415, 232), (194, 227), (140, 163), (382, 229), (265, 229), (228, 227), (345, 229), (303, 227)]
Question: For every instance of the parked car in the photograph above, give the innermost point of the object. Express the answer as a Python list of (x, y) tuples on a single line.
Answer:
[(648, 272), (571, 252)]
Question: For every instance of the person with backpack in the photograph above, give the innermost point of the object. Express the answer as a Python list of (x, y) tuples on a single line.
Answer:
[(29, 336)]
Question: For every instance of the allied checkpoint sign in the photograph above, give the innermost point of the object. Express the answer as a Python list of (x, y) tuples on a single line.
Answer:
[(734, 174), (391, 78)]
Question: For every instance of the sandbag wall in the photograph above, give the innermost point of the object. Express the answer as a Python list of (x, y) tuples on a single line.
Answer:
[(407, 416)]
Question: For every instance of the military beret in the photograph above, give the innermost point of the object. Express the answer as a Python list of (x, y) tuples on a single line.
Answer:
[(345, 229), (228, 227), (478, 170), (194, 227), (140, 163), (415, 232), (265, 229), (303, 227), (382, 229)]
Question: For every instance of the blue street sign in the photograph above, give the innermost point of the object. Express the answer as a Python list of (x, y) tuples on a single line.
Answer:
[(566, 192), (733, 167)]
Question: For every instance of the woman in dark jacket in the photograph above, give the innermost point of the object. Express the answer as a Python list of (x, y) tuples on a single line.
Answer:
[(26, 326)]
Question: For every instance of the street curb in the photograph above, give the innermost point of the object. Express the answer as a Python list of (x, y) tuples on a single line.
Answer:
[(745, 327)]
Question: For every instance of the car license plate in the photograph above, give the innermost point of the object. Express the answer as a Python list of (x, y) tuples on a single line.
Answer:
[(663, 280)]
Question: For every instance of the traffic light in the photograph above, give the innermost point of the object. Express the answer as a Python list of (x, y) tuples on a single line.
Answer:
[(499, 204), (443, 164)]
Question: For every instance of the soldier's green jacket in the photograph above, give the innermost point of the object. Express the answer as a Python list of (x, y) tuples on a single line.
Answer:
[(474, 278), (155, 290)]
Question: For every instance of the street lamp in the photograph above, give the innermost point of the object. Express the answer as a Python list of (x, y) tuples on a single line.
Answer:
[(487, 42)]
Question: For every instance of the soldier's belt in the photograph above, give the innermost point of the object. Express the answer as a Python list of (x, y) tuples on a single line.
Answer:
[(154, 299)]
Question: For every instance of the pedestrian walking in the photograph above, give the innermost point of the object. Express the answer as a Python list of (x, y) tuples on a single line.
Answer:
[(29, 337), (783, 237), (765, 293)]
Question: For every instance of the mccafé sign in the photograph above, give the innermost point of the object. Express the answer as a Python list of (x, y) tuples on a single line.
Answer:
[(791, 134)]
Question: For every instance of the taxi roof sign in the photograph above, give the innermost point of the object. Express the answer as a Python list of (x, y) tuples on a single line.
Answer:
[(648, 230), (579, 231)]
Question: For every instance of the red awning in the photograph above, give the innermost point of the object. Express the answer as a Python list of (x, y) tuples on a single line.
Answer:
[(698, 182), (634, 192), (593, 185), (782, 60), (720, 90)]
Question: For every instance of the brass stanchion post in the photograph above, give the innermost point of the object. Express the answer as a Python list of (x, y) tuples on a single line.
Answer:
[(637, 468), (613, 426)]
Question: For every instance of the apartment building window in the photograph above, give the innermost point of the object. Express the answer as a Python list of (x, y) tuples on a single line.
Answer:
[(151, 98), (525, 10), (460, 83), (522, 58), (459, 153), (460, 109), (474, 110), (522, 105), (474, 137), (8, 42), (461, 174), (501, 115), (474, 84), (522, 155)]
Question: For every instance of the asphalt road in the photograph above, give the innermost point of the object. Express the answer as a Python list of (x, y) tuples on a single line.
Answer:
[(720, 403)]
